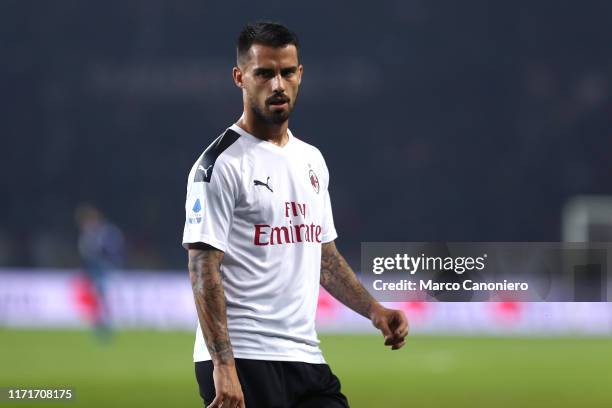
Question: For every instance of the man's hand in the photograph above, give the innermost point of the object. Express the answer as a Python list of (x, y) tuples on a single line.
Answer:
[(393, 325), (228, 392)]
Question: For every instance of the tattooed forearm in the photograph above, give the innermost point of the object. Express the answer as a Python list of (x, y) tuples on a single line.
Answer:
[(340, 281), (205, 275)]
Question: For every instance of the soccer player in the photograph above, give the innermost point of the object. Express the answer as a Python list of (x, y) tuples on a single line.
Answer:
[(260, 236), (102, 249)]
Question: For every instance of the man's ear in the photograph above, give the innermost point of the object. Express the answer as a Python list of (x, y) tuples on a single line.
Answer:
[(300, 71), (237, 75)]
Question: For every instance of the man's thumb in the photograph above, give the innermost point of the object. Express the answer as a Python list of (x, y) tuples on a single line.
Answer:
[(383, 326)]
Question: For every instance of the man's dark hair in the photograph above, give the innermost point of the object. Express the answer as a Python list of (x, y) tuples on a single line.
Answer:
[(265, 33)]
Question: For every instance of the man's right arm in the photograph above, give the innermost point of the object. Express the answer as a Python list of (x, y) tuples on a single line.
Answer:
[(205, 276)]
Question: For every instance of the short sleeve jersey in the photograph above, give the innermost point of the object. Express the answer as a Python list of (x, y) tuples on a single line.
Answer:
[(268, 209)]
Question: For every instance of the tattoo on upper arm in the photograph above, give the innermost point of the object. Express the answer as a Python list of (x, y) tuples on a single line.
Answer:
[(207, 285), (204, 266)]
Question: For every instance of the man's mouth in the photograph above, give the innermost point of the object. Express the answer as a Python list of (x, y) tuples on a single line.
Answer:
[(278, 102)]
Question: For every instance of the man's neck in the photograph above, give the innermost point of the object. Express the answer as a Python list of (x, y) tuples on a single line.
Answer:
[(272, 133)]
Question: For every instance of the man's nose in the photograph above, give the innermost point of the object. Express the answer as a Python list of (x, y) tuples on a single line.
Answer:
[(277, 84)]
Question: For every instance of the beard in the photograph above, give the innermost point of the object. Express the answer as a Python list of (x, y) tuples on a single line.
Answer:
[(276, 117)]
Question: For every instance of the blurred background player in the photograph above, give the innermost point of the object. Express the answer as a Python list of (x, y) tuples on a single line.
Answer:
[(102, 247)]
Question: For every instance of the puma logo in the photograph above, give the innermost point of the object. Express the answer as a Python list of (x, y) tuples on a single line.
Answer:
[(261, 183), (205, 170)]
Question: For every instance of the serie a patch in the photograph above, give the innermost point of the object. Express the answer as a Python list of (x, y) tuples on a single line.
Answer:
[(195, 215)]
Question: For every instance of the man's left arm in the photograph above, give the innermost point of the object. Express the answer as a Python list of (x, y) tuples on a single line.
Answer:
[(340, 281)]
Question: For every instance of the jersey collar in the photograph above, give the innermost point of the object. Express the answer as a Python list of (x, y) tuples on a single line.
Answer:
[(261, 142)]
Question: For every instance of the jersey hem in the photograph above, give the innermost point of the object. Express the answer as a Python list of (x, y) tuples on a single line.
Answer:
[(270, 357), (329, 238), (206, 240)]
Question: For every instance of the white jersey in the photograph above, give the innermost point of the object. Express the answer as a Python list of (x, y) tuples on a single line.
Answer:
[(268, 209)]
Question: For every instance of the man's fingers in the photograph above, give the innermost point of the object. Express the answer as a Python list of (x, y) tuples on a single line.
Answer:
[(216, 402), (400, 323), (399, 345), (390, 341), (396, 338), (235, 401), (403, 327), (384, 328), (402, 334), (227, 401)]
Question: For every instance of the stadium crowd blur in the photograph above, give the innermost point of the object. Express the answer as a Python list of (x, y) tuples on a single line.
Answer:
[(439, 121)]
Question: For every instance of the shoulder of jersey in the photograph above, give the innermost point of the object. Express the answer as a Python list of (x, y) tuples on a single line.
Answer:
[(307, 146), (216, 154)]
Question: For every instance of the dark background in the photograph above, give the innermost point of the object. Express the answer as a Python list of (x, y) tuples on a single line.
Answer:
[(439, 120)]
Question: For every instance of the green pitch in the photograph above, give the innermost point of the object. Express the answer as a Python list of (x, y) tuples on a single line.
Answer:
[(154, 369)]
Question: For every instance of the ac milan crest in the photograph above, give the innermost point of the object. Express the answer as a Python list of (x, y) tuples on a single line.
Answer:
[(314, 180)]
